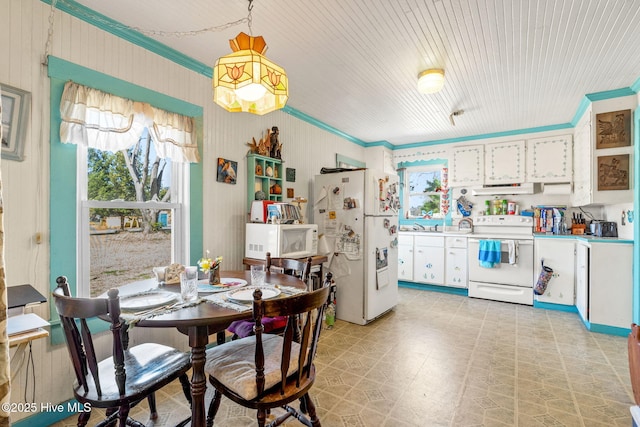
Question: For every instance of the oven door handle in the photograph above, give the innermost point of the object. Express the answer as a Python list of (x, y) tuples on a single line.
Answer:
[(520, 242)]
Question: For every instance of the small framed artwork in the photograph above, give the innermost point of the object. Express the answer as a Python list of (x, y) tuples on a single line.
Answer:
[(613, 172), (613, 129), (15, 107), (227, 171), (290, 194), (291, 175)]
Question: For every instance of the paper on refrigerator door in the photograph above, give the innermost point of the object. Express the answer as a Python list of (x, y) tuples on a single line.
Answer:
[(339, 266), (382, 277), (322, 196), (349, 243)]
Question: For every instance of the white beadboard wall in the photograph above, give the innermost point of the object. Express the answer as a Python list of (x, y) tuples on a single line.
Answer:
[(23, 34)]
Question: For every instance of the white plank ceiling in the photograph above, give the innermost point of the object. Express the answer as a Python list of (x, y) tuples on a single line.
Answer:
[(353, 65)]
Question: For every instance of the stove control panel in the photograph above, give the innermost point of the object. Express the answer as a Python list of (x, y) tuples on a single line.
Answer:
[(503, 220)]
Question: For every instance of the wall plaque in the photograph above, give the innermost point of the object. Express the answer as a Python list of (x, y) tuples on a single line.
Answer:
[(613, 129), (613, 172)]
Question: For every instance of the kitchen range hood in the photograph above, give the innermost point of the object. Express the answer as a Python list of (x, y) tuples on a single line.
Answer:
[(490, 190)]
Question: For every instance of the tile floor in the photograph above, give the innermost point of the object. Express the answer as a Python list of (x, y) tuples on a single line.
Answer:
[(448, 360)]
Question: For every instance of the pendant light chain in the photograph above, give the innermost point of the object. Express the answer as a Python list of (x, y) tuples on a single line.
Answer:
[(47, 45), (249, 17), (147, 32)]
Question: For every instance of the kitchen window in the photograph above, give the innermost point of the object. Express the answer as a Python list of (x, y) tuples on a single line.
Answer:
[(422, 192)]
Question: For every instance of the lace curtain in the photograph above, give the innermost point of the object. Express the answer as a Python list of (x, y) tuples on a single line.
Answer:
[(108, 122)]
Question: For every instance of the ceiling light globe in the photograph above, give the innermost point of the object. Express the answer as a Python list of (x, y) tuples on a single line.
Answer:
[(251, 92), (430, 81)]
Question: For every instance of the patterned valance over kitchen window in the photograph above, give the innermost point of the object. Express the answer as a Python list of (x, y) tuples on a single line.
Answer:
[(104, 121)]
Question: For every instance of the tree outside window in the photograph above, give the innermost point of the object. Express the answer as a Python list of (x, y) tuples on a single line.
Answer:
[(129, 214)]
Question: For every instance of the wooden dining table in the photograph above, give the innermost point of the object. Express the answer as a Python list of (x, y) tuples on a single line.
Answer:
[(200, 321)]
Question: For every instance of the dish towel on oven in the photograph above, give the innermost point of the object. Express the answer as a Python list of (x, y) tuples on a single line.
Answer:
[(489, 253), (513, 251)]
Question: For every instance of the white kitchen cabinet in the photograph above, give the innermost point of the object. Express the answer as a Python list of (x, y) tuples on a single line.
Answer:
[(467, 166), (405, 257), (604, 284), (505, 162), (582, 280), (582, 194), (611, 284), (550, 159), (456, 261), (587, 158), (428, 259), (558, 254)]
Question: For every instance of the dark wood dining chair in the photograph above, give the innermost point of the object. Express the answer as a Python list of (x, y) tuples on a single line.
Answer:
[(266, 371), (130, 375), (294, 267)]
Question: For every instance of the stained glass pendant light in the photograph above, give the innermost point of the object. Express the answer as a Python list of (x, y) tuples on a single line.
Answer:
[(245, 80)]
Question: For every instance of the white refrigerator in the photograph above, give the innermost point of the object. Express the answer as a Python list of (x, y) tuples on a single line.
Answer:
[(357, 217)]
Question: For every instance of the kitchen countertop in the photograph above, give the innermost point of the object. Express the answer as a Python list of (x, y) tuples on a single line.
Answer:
[(583, 237), (578, 237), (437, 233)]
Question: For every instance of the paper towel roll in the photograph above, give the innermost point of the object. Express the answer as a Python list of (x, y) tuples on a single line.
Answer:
[(550, 189)]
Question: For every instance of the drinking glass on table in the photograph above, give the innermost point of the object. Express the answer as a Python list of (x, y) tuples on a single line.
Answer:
[(160, 273), (258, 273), (189, 284)]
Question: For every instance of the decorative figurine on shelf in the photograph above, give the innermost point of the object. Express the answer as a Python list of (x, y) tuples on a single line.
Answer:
[(253, 147), (276, 146), (264, 146)]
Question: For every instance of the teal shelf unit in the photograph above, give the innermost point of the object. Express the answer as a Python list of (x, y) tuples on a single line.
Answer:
[(264, 174)]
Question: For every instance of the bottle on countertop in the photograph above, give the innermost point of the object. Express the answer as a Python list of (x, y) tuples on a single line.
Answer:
[(487, 207), (497, 207)]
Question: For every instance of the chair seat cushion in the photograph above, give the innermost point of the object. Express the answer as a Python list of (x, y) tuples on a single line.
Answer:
[(233, 364), (148, 366), (244, 328)]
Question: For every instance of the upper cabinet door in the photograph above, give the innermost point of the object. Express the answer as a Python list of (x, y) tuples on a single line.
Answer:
[(467, 166), (505, 163), (550, 159)]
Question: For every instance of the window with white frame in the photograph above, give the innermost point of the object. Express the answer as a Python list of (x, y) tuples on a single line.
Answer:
[(131, 216), (422, 192), (132, 187)]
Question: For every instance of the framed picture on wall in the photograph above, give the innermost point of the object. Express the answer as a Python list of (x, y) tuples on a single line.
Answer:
[(613, 129), (613, 172), (291, 175), (227, 171), (16, 104)]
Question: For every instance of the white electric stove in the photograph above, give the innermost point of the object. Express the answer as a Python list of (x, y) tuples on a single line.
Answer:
[(511, 280)]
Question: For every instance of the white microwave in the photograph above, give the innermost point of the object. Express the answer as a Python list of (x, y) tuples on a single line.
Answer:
[(281, 240)]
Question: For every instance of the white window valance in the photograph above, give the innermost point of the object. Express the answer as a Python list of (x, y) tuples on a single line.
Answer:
[(108, 122)]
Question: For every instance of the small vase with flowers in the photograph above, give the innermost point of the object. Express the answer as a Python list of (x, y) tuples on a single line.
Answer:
[(212, 267)]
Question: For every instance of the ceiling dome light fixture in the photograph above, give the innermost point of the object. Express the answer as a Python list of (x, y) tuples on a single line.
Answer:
[(431, 81)]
